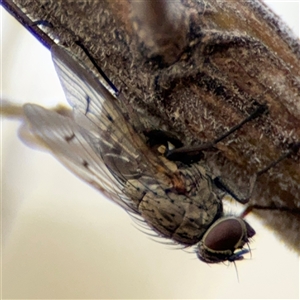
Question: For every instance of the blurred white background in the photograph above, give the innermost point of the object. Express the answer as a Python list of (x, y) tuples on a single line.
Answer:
[(61, 239)]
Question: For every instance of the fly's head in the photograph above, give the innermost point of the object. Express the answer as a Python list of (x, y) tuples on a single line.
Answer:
[(224, 240)]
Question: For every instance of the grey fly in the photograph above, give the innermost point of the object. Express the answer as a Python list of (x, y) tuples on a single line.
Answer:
[(178, 201)]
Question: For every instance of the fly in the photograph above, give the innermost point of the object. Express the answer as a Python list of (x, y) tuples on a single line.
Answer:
[(178, 199)]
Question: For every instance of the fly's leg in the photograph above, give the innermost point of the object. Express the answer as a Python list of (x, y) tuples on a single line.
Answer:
[(222, 184), (174, 149), (250, 208), (41, 22), (101, 72), (86, 51), (226, 186), (192, 153), (293, 150)]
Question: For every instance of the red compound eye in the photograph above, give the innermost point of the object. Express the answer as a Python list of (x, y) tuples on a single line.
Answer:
[(224, 237)]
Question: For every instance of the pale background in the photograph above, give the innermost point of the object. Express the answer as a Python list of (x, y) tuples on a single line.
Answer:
[(61, 239)]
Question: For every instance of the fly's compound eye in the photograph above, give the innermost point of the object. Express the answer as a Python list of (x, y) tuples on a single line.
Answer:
[(223, 238)]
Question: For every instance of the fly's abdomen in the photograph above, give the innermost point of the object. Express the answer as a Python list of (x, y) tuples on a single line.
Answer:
[(182, 217)]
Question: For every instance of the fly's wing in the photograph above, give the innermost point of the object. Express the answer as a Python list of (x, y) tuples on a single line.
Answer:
[(96, 143), (63, 137), (102, 122)]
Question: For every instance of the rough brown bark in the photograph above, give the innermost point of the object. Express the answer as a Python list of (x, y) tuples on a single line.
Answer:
[(226, 57)]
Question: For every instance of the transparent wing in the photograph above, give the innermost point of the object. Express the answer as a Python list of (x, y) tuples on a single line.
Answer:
[(96, 111), (63, 137), (96, 143)]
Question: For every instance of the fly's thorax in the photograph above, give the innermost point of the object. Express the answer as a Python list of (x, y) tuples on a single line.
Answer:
[(183, 217), (224, 240)]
